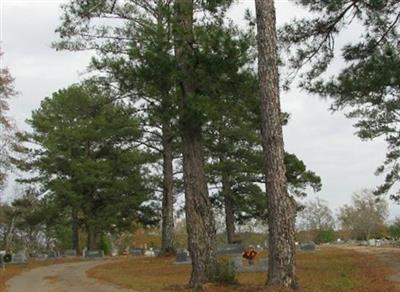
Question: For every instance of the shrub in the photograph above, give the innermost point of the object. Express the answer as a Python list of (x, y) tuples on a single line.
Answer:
[(105, 244), (225, 273)]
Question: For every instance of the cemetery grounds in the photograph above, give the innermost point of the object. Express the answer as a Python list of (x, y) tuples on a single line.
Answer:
[(327, 269), (345, 268)]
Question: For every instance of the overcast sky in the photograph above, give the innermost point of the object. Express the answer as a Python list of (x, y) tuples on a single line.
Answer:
[(324, 141)]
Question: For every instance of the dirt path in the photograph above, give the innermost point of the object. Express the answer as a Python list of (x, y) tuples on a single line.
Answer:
[(69, 277)]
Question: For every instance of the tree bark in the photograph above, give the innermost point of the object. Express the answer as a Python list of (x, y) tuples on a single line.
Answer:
[(167, 236), (229, 208), (92, 238), (75, 231), (281, 207), (200, 222)]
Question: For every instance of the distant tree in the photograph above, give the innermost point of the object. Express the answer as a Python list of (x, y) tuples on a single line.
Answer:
[(7, 226), (318, 220), (316, 215), (368, 86), (6, 126), (394, 228), (366, 216)]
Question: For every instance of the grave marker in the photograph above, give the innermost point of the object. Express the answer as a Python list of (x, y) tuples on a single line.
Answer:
[(70, 253), (309, 246), (19, 258), (94, 254), (230, 249), (136, 251), (183, 257), (242, 266)]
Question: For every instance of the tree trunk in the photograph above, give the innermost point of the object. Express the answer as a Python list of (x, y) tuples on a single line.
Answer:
[(10, 235), (281, 207), (200, 222), (229, 208), (167, 237), (91, 238), (75, 231)]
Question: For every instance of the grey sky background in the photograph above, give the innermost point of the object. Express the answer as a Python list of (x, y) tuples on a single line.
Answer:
[(324, 141)]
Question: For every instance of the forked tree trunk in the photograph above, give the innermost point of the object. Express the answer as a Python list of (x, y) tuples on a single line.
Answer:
[(229, 208), (200, 222), (281, 207), (92, 238), (75, 231), (167, 236)]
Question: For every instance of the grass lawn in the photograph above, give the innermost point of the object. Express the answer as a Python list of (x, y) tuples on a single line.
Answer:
[(329, 269), (13, 270)]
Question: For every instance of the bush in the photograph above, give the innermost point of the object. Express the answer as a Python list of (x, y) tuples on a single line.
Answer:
[(105, 244), (325, 236), (225, 273)]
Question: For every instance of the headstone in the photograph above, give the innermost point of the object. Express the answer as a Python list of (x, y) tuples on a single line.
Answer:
[(136, 251), (309, 246), (70, 253), (149, 253), (52, 254), (41, 257), (242, 266), (94, 254), (183, 257), (230, 249), (19, 258), (372, 242), (237, 263)]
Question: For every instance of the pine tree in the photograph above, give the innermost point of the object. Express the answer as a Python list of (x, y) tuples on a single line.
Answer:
[(367, 86), (281, 206), (88, 161)]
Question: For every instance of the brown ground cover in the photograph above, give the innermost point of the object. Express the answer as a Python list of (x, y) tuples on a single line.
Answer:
[(328, 269)]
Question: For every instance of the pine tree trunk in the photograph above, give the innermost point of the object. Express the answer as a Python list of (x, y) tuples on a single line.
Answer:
[(200, 222), (92, 238), (75, 232), (167, 236), (229, 208), (199, 213), (281, 207)]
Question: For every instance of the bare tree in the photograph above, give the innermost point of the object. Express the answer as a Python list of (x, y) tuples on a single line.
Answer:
[(366, 216), (316, 216), (6, 126), (281, 207)]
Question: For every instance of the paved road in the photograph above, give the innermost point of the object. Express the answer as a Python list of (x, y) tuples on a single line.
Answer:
[(69, 277)]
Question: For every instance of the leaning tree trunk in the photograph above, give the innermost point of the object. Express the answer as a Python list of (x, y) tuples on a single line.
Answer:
[(167, 237), (229, 208), (75, 231), (200, 222), (281, 207)]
